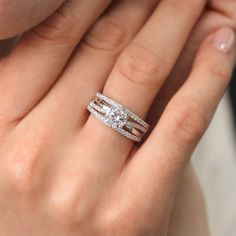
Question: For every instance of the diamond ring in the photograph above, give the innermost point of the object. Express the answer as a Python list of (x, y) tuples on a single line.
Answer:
[(118, 117)]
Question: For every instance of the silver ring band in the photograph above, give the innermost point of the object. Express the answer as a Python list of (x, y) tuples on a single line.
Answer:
[(118, 117)]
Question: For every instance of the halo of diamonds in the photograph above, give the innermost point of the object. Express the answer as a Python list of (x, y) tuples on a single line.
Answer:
[(118, 117)]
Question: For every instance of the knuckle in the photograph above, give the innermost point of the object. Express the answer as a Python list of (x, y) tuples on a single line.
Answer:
[(188, 121), (106, 34), (123, 219), (221, 74), (20, 176), (57, 28), (112, 221), (141, 66), (70, 203), (62, 210), (22, 165)]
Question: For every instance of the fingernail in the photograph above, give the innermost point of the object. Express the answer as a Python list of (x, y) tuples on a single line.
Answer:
[(224, 40)]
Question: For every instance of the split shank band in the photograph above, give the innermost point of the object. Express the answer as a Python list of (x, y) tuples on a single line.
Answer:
[(118, 117)]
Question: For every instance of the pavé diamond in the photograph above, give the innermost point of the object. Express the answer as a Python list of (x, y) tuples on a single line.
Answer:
[(116, 116)]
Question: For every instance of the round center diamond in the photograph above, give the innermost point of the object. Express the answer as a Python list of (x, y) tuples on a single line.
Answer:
[(116, 116)]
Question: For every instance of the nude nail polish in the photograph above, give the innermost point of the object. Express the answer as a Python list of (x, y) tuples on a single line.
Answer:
[(224, 40)]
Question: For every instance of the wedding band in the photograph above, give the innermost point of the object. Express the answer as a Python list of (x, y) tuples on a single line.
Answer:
[(118, 117)]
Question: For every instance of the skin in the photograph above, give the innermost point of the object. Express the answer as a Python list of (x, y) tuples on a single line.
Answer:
[(78, 189), (189, 214), (17, 16)]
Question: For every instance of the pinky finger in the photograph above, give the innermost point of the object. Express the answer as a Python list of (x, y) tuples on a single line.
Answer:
[(161, 160)]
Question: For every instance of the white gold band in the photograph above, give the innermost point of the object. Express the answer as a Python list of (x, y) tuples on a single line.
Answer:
[(118, 117)]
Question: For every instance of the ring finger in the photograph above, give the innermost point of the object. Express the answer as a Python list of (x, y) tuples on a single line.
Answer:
[(144, 65)]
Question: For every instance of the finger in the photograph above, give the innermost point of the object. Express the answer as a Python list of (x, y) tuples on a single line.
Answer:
[(209, 22), (143, 66), (32, 68), (84, 75), (19, 16), (93, 60), (159, 164)]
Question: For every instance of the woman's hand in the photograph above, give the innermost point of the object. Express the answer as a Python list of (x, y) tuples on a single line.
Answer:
[(63, 172), (17, 16)]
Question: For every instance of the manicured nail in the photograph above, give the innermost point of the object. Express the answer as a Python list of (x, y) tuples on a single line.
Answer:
[(224, 40)]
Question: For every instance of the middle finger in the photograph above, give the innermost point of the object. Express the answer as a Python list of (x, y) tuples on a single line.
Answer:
[(90, 65)]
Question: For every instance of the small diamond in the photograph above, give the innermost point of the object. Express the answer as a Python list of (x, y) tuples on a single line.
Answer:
[(116, 116)]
